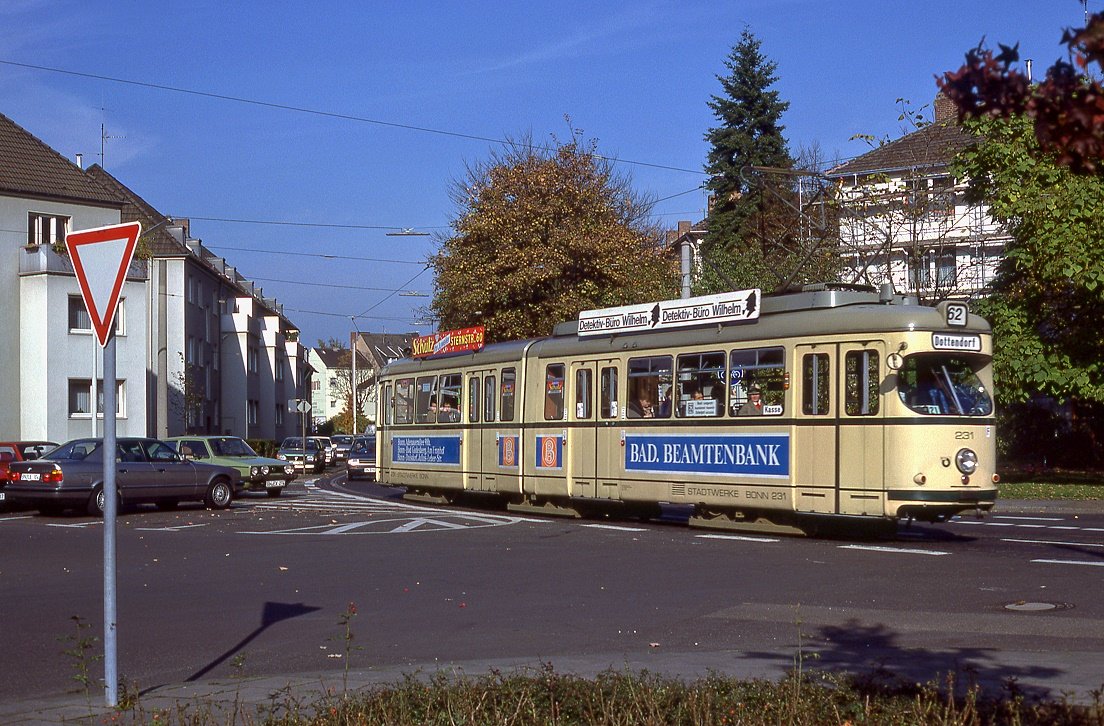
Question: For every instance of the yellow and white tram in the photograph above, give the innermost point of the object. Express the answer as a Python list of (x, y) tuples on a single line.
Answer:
[(786, 412)]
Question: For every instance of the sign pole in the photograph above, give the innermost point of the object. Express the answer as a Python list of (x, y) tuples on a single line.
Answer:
[(111, 670), (100, 259)]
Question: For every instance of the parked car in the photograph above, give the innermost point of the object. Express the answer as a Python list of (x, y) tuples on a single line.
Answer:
[(147, 470), (362, 458), (304, 454), (327, 447), (20, 451), (342, 443), (258, 473)]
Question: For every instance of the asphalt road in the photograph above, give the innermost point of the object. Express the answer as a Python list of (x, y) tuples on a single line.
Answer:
[(267, 587)]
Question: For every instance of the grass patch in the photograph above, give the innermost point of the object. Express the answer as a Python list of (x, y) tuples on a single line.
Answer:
[(1050, 491), (546, 698)]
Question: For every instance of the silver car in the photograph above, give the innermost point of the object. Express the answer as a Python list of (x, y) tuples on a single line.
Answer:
[(146, 470)]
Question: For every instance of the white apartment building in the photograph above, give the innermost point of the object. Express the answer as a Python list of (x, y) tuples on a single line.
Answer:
[(200, 349), (903, 217)]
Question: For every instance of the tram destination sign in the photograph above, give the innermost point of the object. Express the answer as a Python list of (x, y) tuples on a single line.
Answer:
[(738, 306)]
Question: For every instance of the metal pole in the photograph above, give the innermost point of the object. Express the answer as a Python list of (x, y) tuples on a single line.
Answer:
[(352, 339), (111, 670)]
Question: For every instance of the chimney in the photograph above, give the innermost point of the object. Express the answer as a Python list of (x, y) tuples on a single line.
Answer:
[(683, 227), (80, 161), (945, 110)]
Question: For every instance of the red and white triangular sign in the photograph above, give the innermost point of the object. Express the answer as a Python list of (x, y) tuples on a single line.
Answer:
[(101, 258)]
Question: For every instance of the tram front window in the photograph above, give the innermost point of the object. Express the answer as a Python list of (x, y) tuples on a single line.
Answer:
[(941, 383)]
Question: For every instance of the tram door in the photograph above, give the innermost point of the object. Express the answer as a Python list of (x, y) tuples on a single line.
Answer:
[(861, 433), (474, 443), (581, 430), (814, 452)]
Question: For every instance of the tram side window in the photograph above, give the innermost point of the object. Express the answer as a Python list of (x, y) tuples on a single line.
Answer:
[(387, 415), (861, 383), (650, 387), (701, 388), (609, 392), (404, 401), (448, 408), (757, 382), (473, 399), (815, 384), (425, 404), (584, 396), (554, 392), (490, 393), (509, 385)]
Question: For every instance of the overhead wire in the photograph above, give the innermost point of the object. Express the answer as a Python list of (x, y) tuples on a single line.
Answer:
[(327, 114)]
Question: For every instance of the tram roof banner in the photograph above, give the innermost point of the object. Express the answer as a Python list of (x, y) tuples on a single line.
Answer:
[(448, 341), (726, 307)]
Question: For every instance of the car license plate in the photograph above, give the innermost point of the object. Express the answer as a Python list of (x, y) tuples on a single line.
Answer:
[(27, 476), (2, 495), (275, 484)]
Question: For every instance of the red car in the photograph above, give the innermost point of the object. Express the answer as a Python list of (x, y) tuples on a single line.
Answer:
[(20, 451)]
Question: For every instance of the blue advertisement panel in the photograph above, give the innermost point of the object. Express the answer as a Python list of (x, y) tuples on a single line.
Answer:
[(765, 455), (549, 452), (425, 449), (508, 451)]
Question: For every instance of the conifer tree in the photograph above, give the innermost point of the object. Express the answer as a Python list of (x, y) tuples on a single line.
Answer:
[(749, 133)]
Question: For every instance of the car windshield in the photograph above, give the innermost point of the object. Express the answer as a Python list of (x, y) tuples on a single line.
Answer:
[(297, 443), (938, 383), (232, 446), (37, 449), (364, 446), (340, 440), (74, 450)]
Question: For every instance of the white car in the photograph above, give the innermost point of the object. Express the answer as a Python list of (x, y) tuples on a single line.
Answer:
[(329, 448)]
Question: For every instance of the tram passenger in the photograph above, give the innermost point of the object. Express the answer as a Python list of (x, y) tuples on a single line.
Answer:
[(642, 407), (431, 415), (448, 414), (754, 405)]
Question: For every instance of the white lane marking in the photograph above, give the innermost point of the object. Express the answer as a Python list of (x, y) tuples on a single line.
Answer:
[(616, 527), (898, 550), (1051, 542), (1070, 562), (9, 519), (1061, 526), (177, 528), (79, 524), (741, 538), (1041, 519), (1094, 529)]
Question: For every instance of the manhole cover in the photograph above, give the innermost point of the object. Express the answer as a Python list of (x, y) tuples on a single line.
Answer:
[(1033, 607)]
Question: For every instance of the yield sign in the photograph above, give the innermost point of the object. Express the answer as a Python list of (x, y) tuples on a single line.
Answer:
[(101, 258)]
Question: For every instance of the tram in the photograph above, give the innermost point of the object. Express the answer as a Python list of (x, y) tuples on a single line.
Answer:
[(834, 405)]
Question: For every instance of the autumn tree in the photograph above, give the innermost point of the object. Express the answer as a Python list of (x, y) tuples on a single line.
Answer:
[(1065, 110), (542, 233), (747, 207)]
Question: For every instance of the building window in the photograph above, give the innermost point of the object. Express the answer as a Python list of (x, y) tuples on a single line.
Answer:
[(81, 322), (316, 385), (79, 319), (279, 415), (80, 397), (252, 356), (251, 411), (279, 369), (46, 229), (946, 270)]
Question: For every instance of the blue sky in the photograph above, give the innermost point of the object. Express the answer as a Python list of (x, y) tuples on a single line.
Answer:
[(634, 76)]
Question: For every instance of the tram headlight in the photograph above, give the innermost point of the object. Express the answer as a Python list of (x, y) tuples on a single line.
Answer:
[(966, 461)]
